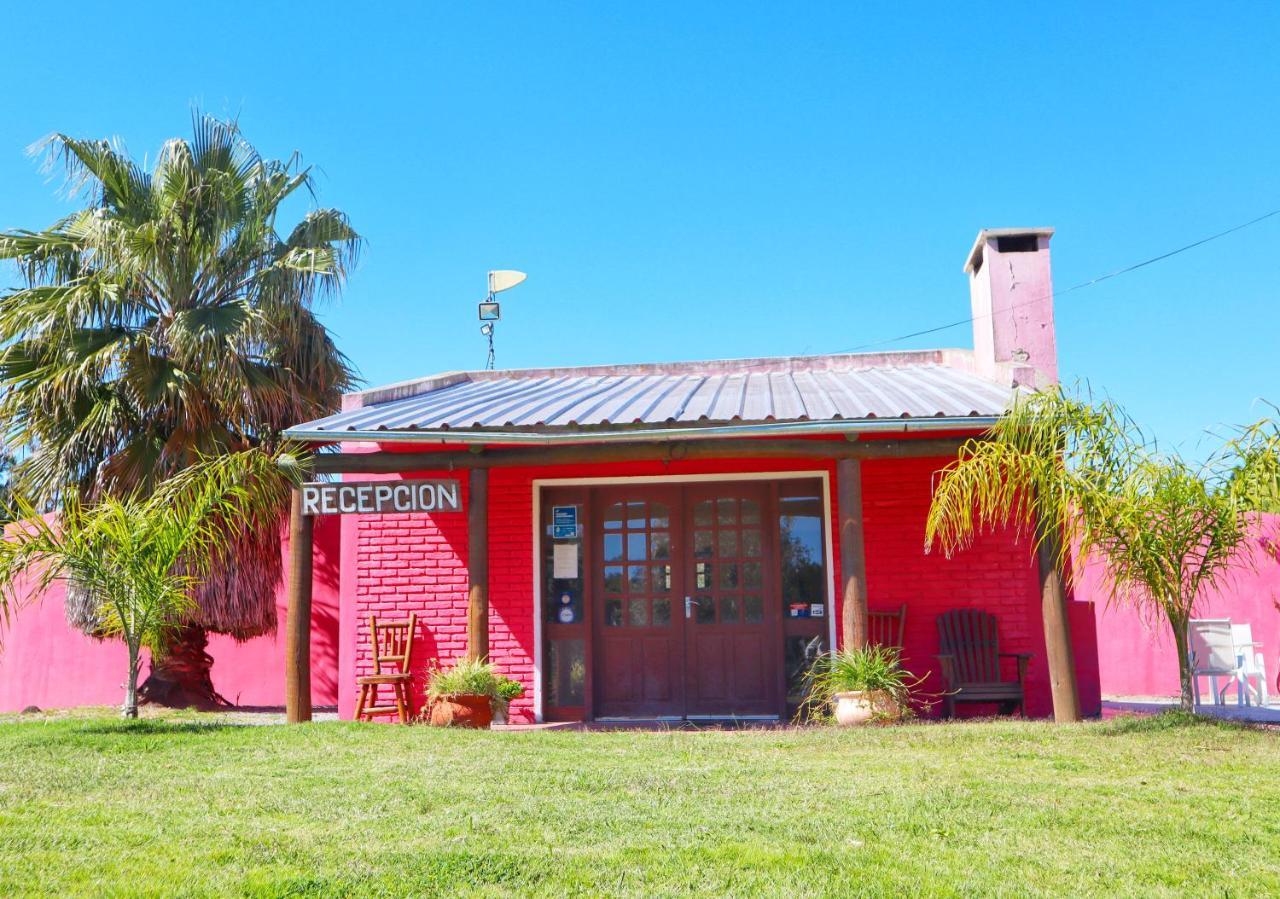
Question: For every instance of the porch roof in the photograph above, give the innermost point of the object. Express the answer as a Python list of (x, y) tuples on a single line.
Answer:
[(787, 395)]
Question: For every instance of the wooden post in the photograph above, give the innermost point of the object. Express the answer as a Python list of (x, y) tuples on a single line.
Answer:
[(853, 561), (1057, 636), (478, 565), (297, 639)]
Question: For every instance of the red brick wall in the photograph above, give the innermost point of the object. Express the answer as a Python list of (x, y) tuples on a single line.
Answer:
[(418, 563), (997, 573), (414, 563), (511, 644)]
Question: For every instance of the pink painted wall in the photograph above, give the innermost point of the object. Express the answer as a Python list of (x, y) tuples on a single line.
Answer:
[(46, 663), (1136, 654)]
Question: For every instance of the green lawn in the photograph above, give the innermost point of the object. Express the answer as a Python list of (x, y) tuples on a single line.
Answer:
[(179, 806)]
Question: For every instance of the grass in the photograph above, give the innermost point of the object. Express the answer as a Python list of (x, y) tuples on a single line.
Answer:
[(179, 806)]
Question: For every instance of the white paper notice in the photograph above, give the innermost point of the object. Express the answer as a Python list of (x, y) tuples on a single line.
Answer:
[(564, 561)]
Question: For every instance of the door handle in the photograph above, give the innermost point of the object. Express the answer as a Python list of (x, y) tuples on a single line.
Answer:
[(688, 607)]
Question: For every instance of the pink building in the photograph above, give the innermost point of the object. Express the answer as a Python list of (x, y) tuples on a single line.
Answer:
[(663, 541), (675, 541)]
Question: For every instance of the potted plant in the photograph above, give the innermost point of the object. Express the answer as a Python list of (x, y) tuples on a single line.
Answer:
[(858, 685), (507, 691), (462, 695)]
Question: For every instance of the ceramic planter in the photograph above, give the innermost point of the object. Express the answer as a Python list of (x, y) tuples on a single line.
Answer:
[(462, 710), (858, 707)]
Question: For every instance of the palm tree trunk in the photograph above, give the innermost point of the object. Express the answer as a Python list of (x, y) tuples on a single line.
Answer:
[(180, 675), (1182, 647), (130, 707)]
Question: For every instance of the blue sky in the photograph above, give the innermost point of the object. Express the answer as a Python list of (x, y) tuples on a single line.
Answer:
[(704, 181)]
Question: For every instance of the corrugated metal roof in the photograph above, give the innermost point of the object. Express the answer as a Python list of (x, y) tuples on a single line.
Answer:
[(562, 400)]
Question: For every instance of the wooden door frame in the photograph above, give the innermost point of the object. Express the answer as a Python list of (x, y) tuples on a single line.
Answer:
[(822, 475)]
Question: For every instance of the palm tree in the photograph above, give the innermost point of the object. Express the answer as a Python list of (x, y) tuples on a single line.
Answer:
[(7, 498), (171, 319), (1082, 477), (139, 558)]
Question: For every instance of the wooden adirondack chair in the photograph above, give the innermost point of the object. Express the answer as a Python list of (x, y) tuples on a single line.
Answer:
[(969, 651)]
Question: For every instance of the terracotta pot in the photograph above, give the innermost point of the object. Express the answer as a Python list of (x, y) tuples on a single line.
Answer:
[(859, 707), (462, 710)]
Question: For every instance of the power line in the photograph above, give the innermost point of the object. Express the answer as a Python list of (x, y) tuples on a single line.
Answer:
[(1074, 287)]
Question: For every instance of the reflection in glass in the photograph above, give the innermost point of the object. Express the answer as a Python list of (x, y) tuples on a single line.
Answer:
[(638, 578), (727, 510), (750, 512), (661, 542), (613, 613), (800, 533), (638, 612), (704, 610), (728, 544), (702, 544), (635, 515), (753, 609), (728, 610), (728, 575), (566, 673), (751, 545), (613, 517), (752, 574), (658, 516), (661, 612), (613, 547), (702, 513), (613, 579), (799, 653), (637, 547)]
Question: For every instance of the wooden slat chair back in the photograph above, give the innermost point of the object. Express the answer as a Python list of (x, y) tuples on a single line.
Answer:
[(391, 645), (969, 652), (886, 627)]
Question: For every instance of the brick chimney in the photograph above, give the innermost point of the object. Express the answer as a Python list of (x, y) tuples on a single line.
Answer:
[(1011, 293)]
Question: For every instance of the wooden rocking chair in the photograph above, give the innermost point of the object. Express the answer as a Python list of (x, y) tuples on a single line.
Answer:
[(969, 652), (885, 627), (392, 645)]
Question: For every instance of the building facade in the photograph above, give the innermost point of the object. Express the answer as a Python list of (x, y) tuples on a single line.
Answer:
[(678, 541)]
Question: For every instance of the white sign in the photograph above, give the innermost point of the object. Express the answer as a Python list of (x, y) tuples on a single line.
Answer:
[(564, 561), (378, 497)]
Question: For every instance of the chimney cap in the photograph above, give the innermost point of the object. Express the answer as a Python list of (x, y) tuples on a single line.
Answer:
[(988, 233)]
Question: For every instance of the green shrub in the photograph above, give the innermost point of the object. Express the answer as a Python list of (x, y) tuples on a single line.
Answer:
[(509, 689), (466, 676)]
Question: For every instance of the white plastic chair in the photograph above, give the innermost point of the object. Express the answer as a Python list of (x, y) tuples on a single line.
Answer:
[(1213, 655), (1249, 665)]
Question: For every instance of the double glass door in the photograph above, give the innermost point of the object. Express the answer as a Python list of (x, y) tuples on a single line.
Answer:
[(685, 607)]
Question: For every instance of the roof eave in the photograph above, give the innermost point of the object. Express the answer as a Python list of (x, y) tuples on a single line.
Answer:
[(632, 435)]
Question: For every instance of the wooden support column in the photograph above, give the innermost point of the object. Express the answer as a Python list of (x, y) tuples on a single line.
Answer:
[(297, 639), (478, 564), (1057, 636), (853, 561)]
